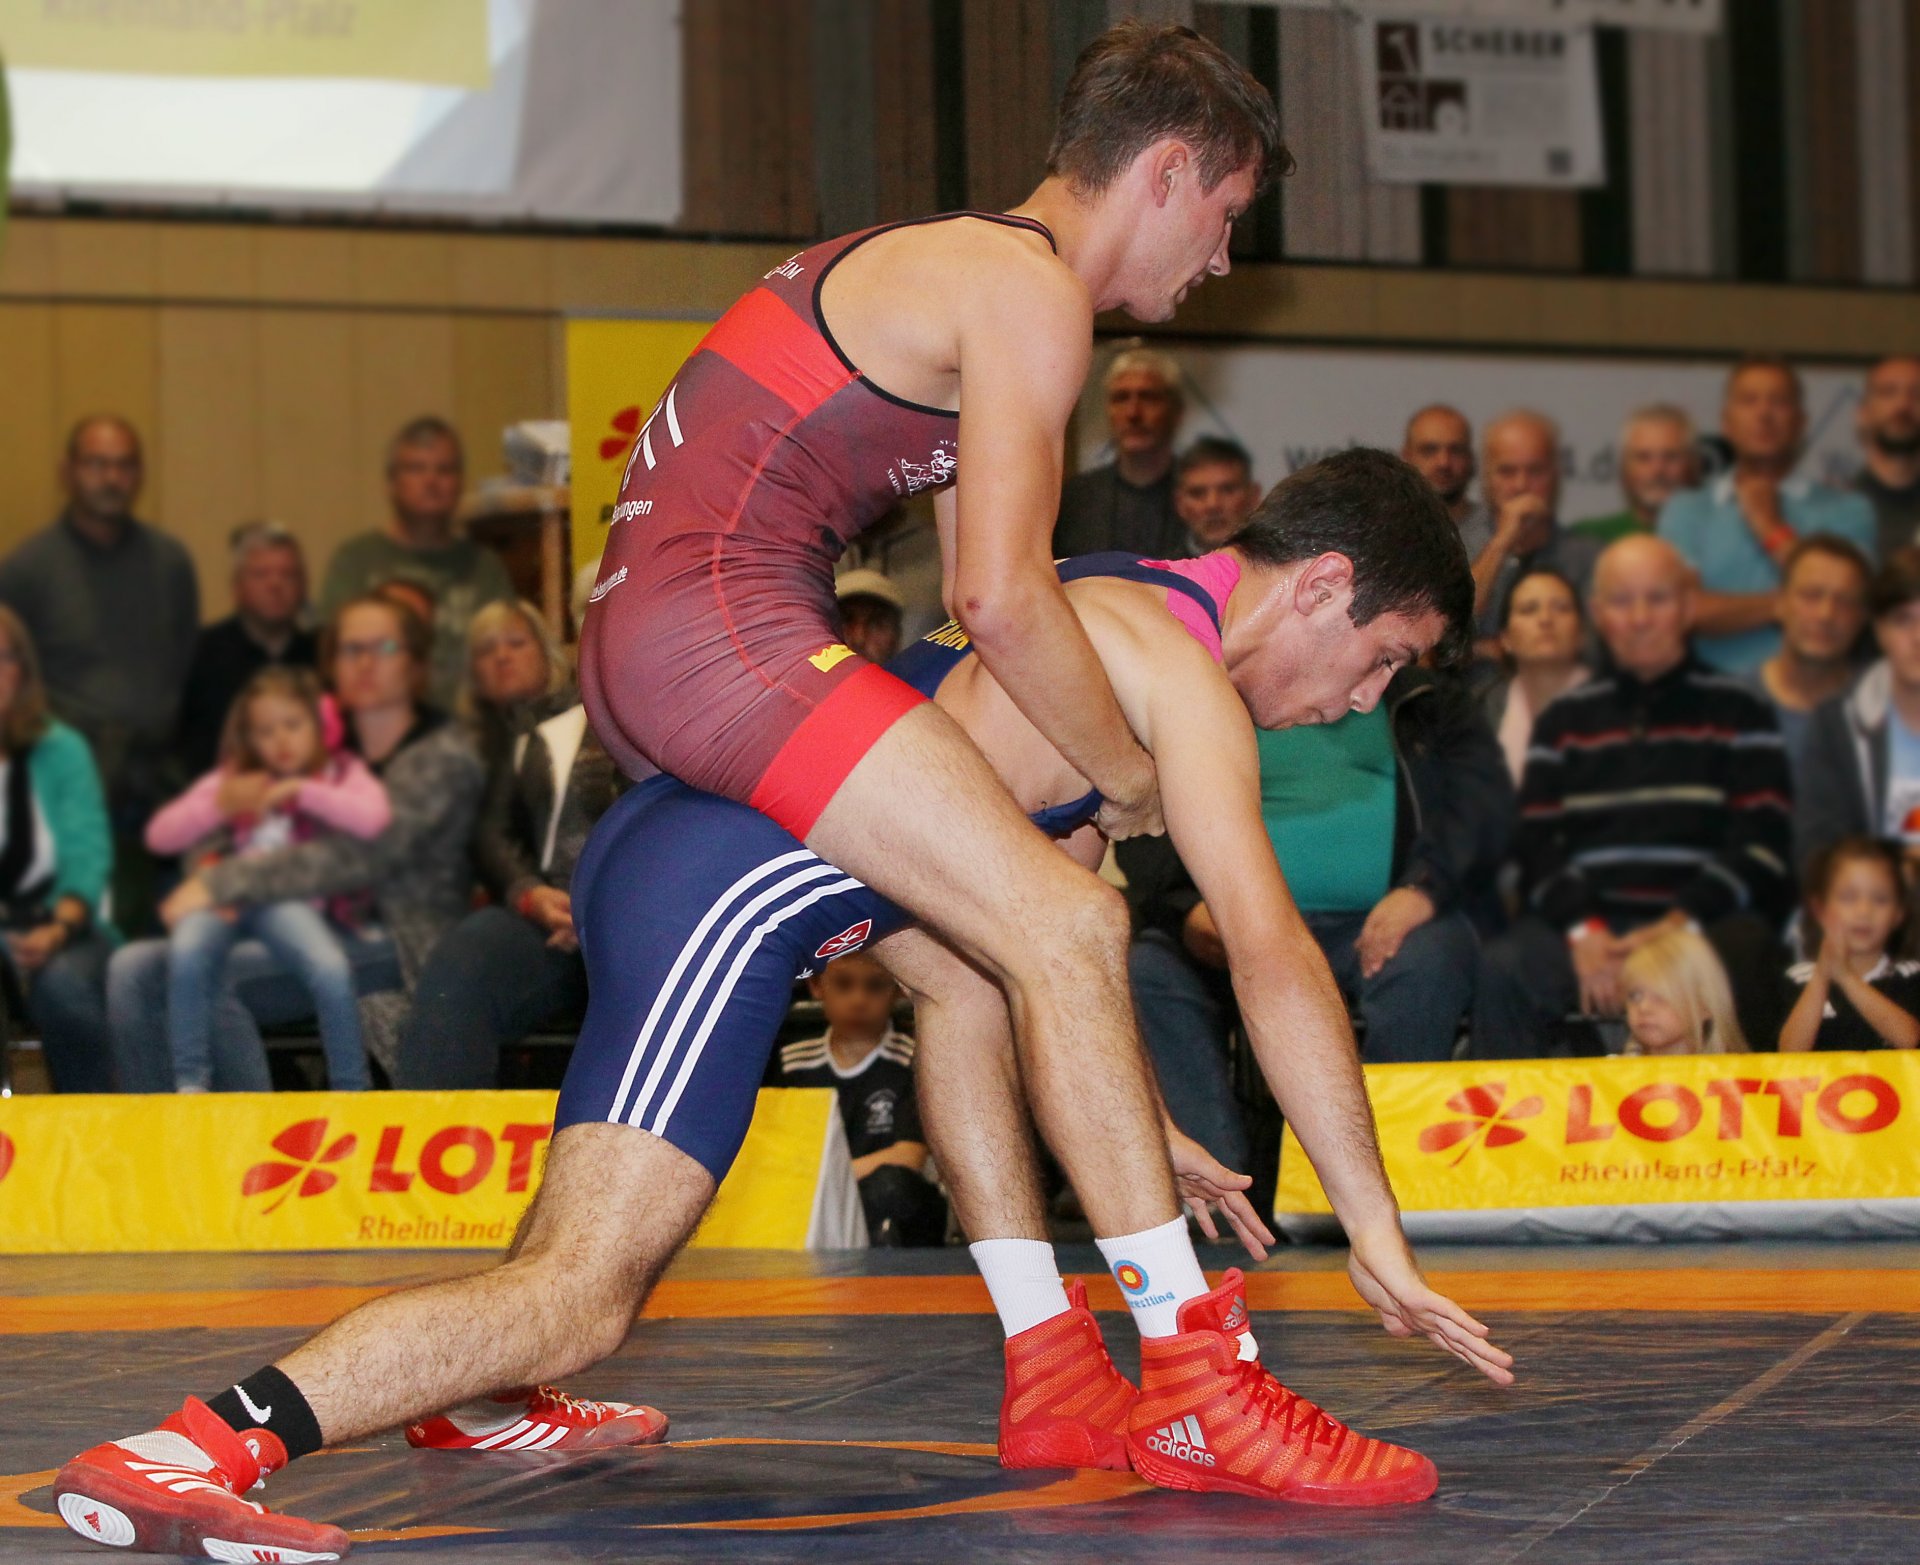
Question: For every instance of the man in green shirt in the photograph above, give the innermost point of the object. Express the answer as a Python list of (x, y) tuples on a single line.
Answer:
[(424, 480), (1658, 458)]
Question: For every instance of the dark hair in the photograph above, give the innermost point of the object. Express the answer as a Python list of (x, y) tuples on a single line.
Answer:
[(1534, 573), (1825, 869), (429, 429), (1212, 451), (1896, 584), (117, 421), (1768, 361), (1137, 84), (1383, 516), (1834, 547)]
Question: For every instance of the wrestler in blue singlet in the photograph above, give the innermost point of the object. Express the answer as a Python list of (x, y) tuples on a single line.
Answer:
[(696, 914)]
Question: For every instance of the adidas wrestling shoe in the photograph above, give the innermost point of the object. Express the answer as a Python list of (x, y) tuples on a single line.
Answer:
[(177, 1490), (1065, 1403), (542, 1419), (1207, 1419)]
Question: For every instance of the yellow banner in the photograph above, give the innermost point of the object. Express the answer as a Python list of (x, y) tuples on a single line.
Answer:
[(443, 42), (617, 371), (1711, 1129), (344, 1171)]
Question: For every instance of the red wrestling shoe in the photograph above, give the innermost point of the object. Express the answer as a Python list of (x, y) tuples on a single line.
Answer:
[(177, 1490), (1207, 1419), (542, 1419), (1065, 1405)]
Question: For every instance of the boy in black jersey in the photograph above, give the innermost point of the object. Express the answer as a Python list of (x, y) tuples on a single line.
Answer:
[(871, 1066)]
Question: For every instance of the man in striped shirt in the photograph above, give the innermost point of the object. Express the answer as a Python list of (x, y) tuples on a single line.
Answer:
[(1655, 796)]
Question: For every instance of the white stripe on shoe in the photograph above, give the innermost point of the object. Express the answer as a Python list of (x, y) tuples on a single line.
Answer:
[(493, 1441)]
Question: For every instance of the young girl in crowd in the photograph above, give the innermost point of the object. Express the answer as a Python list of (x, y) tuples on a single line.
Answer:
[(1678, 999), (1857, 993), (282, 779)]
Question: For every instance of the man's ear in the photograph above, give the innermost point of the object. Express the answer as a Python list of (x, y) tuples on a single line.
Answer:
[(1326, 580), (1166, 162)]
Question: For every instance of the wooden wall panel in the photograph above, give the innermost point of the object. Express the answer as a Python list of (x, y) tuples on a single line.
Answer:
[(1495, 226), (205, 447), (1885, 142), (312, 467), (905, 155), (502, 373), (29, 430), (1830, 70), (402, 367), (106, 361), (1008, 54)]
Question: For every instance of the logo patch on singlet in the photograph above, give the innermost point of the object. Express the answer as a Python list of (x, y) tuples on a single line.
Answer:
[(602, 588), (911, 477), (847, 940), (827, 658)]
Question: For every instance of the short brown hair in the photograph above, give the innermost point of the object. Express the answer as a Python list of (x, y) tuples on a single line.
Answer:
[(1773, 364), (24, 723), (416, 635), (1896, 584), (1137, 84), (1834, 547)]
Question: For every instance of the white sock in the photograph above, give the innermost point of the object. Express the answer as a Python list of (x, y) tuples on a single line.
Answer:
[(1157, 1272), (1023, 1278)]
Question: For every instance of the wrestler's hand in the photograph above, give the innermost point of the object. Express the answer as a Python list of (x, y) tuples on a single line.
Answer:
[(1205, 1182), (1384, 1274), (1132, 808)]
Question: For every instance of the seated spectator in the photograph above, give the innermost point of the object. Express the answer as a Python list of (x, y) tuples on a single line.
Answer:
[(56, 855), (1658, 458), (1888, 421), (1541, 632), (282, 778), (264, 631), (1656, 796), (1678, 999), (1128, 503), (871, 613), (418, 871), (1213, 491), (113, 606), (871, 1066), (504, 970), (1439, 445), (518, 676), (1738, 532), (1823, 609), (419, 544), (1860, 770), (1183, 994), (1386, 824), (1522, 480), (1858, 993)]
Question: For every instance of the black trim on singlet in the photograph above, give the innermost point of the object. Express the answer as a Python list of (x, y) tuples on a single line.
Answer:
[(1033, 224), (1123, 565)]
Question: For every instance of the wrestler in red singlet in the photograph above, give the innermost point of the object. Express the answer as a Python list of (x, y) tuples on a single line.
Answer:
[(711, 650)]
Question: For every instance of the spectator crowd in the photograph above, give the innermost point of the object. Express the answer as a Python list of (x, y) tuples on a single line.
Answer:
[(1673, 804)]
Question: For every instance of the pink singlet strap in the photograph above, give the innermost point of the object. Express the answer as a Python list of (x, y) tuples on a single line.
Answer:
[(1216, 575)]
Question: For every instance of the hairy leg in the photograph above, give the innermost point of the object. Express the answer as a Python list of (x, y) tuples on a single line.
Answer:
[(924, 821), (971, 1105), (615, 1206)]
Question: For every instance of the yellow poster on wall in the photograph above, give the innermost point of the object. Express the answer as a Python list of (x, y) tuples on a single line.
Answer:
[(360, 1171), (616, 372), (443, 42), (1703, 1144)]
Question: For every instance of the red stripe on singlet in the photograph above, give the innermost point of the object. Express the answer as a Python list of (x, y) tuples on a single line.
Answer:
[(763, 339), (828, 744)]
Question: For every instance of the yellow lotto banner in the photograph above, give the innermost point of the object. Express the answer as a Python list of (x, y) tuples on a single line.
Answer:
[(1699, 1146), (617, 371), (443, 42), (353, 1171)]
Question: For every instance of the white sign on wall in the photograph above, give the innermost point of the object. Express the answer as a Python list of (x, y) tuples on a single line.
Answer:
[(1291, 406), (1479, 102)]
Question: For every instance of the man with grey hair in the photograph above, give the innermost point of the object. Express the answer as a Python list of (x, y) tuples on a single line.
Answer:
[(1128, 503), (1520, 472), (1658, 458), (419, 543), (265, 629)]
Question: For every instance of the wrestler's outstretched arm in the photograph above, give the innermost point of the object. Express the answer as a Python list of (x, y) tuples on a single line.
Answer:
[(1203, 743)]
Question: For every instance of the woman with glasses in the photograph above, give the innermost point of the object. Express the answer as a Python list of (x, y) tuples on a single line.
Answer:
[(417, 874)]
